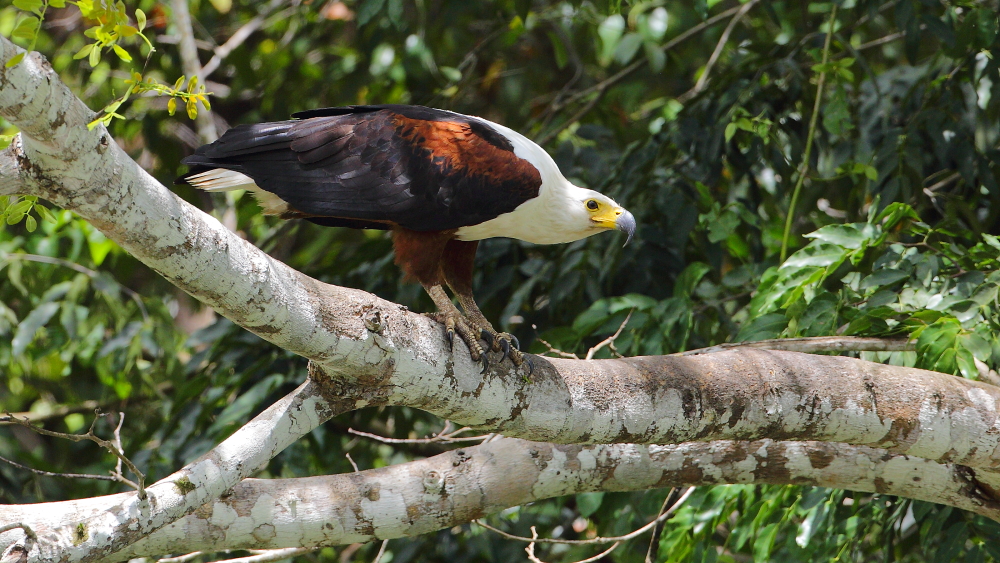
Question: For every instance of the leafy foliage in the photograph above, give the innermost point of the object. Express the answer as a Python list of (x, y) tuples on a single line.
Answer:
[(892, 234)]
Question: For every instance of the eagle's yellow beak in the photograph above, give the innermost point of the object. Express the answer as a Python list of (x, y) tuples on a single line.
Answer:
[(614, 217)]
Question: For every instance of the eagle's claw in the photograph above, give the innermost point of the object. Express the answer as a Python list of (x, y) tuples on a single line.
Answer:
[(486, 337), (514, 341), (505, 347), (450, 335)]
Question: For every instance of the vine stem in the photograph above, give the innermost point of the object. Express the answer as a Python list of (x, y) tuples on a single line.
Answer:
[(804, 167)]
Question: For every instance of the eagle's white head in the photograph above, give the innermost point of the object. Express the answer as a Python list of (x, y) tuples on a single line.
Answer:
[(561, 213)]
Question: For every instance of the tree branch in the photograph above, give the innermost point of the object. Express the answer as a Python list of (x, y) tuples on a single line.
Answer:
[(124, 519), (418, 497)]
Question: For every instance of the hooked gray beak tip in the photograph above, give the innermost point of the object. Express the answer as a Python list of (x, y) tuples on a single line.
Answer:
[(626, 224)]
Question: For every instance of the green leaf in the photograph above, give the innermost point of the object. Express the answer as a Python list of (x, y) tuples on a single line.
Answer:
[(28, 5), (628, 47), (764, 327), (122, 53), (936, 345), (656, 57), (853, 236), (893, 214), (451, 73), (558, 49), (223, 6), (14, 60), (631, 301), (689, 278), (84, 51), (730, 131), (821, 254), (95, 57), (57, 3), (764, 542), (368, 9), (26, 28), (26, 330), (140, 19), (884, 277), (610, 31), (588, 503)]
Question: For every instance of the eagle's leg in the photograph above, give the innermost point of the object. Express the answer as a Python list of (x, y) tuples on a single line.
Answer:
[(421, 254), (456, 266), (455, 322)]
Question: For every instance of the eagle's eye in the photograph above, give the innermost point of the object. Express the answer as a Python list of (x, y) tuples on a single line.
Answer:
[(593, 205)]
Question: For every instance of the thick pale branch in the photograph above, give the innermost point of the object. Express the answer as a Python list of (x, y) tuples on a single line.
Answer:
[(455, 487), (97, 528)]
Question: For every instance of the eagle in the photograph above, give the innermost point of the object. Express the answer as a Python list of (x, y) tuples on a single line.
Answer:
[(439, 181)]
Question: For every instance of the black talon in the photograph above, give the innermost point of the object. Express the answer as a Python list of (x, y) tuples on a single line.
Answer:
[(486, 363), (505, 346), (531, 365), (487, 338), (515, 342), (450, 335)]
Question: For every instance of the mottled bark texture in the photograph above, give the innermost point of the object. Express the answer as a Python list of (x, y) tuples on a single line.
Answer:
[(367, 351), (461, 485)]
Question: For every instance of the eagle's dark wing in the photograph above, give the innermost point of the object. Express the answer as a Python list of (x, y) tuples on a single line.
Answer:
[(379, 166)]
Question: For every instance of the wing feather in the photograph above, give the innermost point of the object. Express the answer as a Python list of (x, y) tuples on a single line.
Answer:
[(377, 166)]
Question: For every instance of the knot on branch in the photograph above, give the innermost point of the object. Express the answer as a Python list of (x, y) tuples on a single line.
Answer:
[(344, 392), (976, 489)]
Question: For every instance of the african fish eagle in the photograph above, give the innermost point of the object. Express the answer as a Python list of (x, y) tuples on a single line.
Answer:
[(440, 181)]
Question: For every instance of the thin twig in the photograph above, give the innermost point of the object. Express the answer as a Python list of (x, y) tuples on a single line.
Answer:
[(530, 550), (723, 39), (441, 437), (381, 551), (73, 266), (51, 474), (635, 533), (552, 349), (257, 555), (654, 539), (139, 484), (351, 459), (15, 525), (17, 552), (180, 558), (814, 344), (118, 441), (610, 341), (947, 180), (804, 167), (881, 41), (238, 38)]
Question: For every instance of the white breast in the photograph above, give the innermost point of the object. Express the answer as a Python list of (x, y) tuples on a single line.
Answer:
[(555, 216)]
